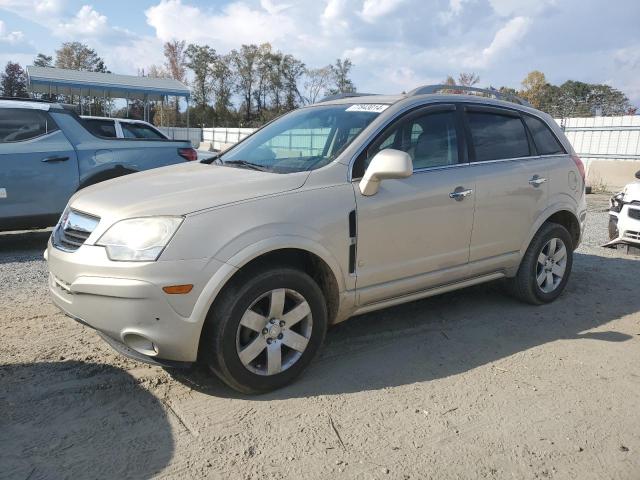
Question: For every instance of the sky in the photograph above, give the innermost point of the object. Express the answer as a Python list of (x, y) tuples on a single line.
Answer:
[(395, 45)]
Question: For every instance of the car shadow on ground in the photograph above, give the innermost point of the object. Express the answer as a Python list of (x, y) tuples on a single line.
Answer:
[(79, 420), (456, 332), (18, 247)]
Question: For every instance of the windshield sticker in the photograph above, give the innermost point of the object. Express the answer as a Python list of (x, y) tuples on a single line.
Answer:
[(368, 107)]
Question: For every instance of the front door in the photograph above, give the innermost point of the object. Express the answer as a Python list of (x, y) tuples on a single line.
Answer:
[(38, 168), (414, 233)]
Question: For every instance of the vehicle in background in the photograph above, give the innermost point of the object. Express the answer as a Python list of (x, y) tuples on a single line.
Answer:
[(336, 209), (122, 128), (47, 153), (624, 216)]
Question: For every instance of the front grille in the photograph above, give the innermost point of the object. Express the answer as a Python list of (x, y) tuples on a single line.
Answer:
[(634, 213), (632, 235), (73, 229)]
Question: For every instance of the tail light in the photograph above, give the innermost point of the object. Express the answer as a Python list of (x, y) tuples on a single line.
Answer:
[(189, 154), (580, 165)]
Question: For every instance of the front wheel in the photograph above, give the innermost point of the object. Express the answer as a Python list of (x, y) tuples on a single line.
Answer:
[(545, 267), (264, 329)]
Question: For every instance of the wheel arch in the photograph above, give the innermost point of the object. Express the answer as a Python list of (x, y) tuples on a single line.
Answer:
[(562, 215), (103, 175)]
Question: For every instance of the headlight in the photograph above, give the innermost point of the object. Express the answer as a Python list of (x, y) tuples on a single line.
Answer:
[(139, 239)]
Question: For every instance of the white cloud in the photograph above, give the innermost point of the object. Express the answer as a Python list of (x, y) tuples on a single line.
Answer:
[(86, 23), (236, 24), (33, 10), (508, 8), (272, 8), (12, 37), (373, 10), (334, 15), (505, 39)]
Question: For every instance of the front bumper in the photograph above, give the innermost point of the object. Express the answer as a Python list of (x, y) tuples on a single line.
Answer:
[(628, 226), (125, 301)]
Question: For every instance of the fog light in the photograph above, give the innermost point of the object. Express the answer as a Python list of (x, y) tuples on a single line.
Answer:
[(140, 344)]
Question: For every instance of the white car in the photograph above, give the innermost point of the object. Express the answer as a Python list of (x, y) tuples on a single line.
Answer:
[(624, 216), (122, 128)]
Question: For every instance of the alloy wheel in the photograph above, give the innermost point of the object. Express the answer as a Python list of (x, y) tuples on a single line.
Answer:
[(274, 332), (551, 265)]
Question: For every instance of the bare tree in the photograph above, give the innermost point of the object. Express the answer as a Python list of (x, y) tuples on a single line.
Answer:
[(245, 62), (342, 83), (468, 79), (316, 84)]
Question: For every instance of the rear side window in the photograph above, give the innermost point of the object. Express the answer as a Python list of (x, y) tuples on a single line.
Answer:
[(138, 130), (497, 136), (102, 128), (545, 140), (17, 125)]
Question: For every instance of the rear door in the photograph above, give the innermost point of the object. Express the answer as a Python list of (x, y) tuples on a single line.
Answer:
[(511, 183), (38, 168)]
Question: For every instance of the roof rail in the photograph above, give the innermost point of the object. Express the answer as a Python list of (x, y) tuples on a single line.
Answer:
[(430, 89), (338, 96)]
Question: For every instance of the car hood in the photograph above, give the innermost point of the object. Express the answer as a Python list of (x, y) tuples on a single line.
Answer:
[(180, 190)]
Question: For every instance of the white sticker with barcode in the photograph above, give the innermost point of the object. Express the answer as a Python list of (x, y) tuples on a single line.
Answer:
[(3, 193), (368, 107)]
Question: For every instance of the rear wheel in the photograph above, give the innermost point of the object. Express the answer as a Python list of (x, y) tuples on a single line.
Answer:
[(265, 329), (545, 267)]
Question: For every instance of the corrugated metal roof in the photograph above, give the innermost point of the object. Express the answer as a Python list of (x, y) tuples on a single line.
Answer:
[(74, 82)]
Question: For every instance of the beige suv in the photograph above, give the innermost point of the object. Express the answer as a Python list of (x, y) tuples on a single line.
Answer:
[(333, 210)]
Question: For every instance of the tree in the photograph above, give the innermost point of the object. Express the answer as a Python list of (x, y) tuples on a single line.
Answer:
[(467, 79), (175, 59), (176, 66), (13, 81), (317, 83), (200, 59), (223, 81), (43, 60), (245, 63), (78, 56), (342, 82), (292, 70)]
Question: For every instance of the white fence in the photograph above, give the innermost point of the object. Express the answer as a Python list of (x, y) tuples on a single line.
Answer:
[(609, 147), (222, 138), (178, 133)]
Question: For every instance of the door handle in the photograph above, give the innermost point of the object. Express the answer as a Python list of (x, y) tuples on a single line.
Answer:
[(55, 159), (459, 194), (536, 181)]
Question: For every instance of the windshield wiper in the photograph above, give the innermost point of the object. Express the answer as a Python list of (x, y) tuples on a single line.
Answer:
[(214, 158), (244, 163)]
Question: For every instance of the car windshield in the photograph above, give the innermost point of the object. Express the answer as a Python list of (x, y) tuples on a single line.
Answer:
[(304, 139)]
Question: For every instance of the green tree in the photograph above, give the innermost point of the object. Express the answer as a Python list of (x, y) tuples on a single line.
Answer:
[(13, 81), (245, 63), (200, 59), (341, 81), (43, 60)]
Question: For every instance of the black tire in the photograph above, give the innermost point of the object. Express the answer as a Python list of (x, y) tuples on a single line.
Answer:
[(613, 227), (218, 347), (524, 285)]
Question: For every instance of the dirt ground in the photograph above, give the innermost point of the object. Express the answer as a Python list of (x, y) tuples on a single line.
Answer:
[(470, 384)]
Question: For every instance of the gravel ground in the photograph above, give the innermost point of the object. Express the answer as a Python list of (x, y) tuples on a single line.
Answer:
[(471, 384)]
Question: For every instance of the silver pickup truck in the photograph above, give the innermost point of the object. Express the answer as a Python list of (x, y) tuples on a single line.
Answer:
[(48, 152)]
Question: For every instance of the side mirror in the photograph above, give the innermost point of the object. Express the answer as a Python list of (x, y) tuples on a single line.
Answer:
[(387, 164), (638, 174)]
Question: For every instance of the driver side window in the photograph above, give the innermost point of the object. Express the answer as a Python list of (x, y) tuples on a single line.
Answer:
[(430, 139)]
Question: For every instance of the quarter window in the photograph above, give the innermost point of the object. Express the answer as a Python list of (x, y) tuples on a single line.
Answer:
[(497, 136), (18, 125), (545, 140)]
